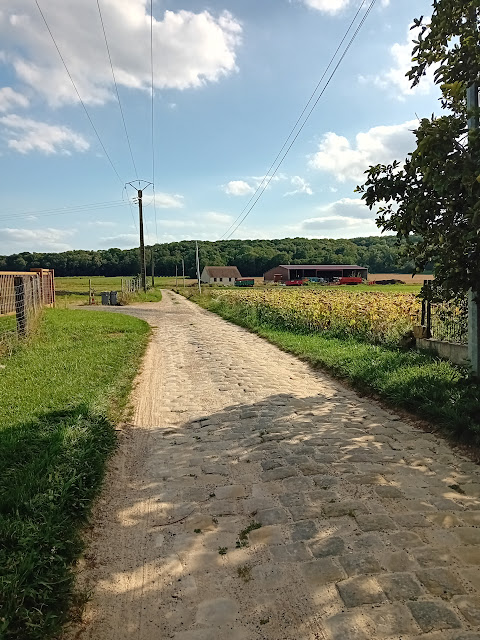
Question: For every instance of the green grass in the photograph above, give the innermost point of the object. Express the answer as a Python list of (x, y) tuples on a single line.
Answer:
[(434, 389), (77, 289), (80, 283), (59, 398)]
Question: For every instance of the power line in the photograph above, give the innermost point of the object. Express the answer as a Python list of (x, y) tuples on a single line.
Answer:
[(153, 139), (78, 94), (266, 182), (60, 209), (65, 211), (116, 88)]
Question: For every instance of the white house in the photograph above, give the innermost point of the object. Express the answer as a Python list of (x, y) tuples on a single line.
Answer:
[(220, 275)]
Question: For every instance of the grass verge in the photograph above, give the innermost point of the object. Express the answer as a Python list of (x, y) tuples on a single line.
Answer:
[(434, 389), (59, 398)]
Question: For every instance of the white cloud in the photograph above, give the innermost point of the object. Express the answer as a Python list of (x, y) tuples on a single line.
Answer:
[(49, 239), (165, 200), (394, 79), (101, 223), (339, 227), (349, 209), (301, 185), (25, 135), (122, 240), (382, 144), (238, 188), (190, 49), (262, 180), (214, 217), (327, 6), (334, 6), (10, 98)]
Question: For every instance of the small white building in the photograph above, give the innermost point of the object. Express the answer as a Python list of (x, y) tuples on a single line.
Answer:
[(220, 275)]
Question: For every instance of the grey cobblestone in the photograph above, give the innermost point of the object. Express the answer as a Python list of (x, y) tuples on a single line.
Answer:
[(362, 536)]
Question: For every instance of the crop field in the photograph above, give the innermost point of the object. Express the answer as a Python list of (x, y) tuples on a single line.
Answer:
[(407, 278), (376, 317)]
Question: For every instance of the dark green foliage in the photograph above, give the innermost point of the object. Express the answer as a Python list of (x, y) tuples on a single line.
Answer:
[(435, 194), (252, 257), (58, 396)]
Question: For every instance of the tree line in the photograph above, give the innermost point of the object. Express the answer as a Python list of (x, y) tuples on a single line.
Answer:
[(252, 257)]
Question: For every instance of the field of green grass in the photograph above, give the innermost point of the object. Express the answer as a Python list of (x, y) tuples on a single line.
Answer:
[(74, 290), (433, 389), (60, 396)]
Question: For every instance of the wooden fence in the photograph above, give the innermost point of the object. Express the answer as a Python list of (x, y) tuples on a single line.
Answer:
[(23, 295)]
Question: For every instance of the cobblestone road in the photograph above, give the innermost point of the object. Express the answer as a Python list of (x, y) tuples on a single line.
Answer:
[(370, 529)]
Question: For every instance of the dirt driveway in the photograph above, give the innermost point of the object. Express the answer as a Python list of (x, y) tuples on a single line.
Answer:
[(370, 529)]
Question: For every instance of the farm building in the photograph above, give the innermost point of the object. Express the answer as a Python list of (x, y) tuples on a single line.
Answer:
[(220, 275), (285, 272)]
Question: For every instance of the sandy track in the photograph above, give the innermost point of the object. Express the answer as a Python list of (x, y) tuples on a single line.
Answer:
[(362, 534)]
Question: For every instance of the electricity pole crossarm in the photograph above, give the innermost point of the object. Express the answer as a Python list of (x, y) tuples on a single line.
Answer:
[(143, 266)]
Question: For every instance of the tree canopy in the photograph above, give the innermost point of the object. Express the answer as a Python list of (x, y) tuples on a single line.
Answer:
[(435, 194), (252, 257)]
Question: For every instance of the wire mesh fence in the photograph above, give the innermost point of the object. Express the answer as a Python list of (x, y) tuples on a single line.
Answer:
[(446, 321), (130, 286), (22, 297)]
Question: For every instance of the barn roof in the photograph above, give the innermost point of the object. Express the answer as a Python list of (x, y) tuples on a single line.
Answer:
[(321, 267), (223, 272)]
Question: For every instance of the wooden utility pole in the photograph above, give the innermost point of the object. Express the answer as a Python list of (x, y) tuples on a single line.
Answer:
[(198, 268), (143, 265), (153, 268), (183, 272)]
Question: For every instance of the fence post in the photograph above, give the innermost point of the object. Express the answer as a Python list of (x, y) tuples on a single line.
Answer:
[(429, 319), (473, 332), (20, 309)]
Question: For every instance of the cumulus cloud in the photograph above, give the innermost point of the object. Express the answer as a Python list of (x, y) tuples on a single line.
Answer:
[(165, 200), (214, 217), (10, 98), (25, 135), (50, 239), (238, 188), (382, 144), (301, 186), (191, 49), (333, 6), (394, 79), (327, 6), (352, 210)]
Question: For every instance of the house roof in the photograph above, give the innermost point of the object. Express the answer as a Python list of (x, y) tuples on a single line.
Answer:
[(321, 267), (223, 272)]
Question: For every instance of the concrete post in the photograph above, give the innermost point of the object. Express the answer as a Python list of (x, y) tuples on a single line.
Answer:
[(473, 333)]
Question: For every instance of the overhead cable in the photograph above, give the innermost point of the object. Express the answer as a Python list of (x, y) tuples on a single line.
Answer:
[(276, 165), (116, 89), (78, 94), (153, 118)]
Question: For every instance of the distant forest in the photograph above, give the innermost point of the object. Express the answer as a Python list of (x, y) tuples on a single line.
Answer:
[(252, 257)]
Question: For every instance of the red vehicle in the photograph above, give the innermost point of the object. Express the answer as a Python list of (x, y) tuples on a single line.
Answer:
[(350, 281), (294, 283)]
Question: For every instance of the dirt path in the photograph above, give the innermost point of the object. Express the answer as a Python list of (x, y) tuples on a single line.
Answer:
[(370, 528)]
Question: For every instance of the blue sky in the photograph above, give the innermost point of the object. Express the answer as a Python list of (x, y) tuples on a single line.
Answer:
[(230, 79)]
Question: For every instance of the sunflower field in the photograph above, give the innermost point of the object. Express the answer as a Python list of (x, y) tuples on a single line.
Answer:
[(376, 317)]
